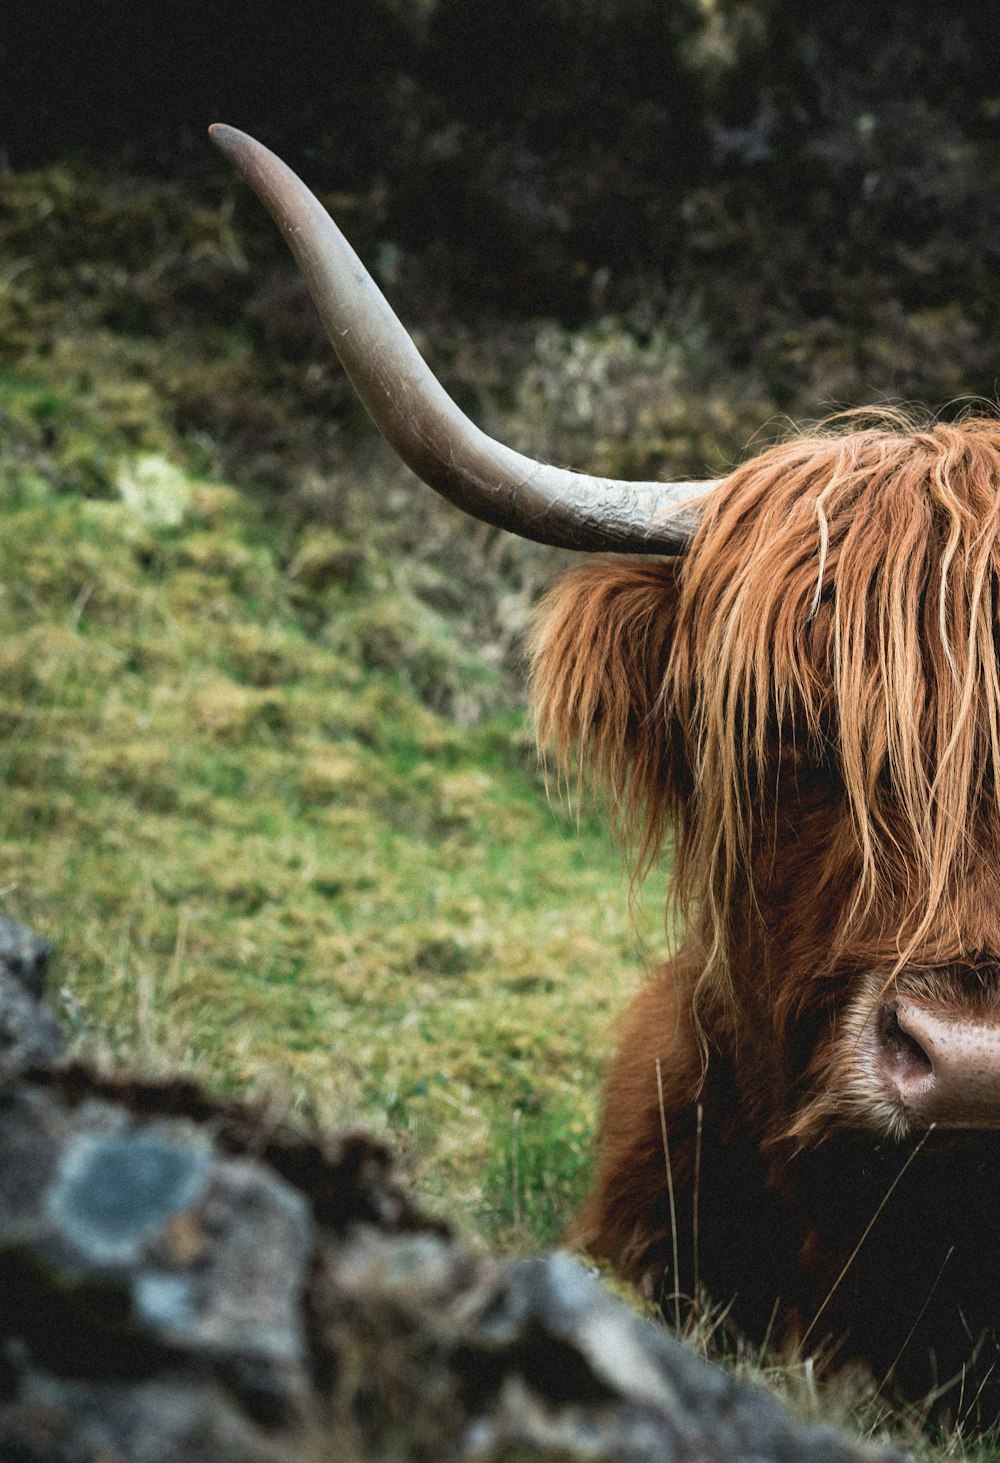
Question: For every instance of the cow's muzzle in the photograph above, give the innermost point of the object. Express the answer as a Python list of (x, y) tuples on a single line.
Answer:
[(941, 1066)]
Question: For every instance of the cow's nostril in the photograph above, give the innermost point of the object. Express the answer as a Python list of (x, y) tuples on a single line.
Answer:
[(900, 1048), (940, 1065)]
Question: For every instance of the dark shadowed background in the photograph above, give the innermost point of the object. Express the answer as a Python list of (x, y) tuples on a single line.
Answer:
[(571, 156)]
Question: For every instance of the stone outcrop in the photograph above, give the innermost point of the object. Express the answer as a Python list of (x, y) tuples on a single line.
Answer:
[(185, 1280)]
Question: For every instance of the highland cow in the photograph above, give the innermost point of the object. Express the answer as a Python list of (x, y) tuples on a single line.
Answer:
[(802, 685)]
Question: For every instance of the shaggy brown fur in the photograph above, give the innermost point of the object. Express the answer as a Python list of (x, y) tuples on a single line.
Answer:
[(811, 700)]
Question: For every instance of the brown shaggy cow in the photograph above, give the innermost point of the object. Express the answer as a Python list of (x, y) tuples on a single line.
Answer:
[(803, 1119), (811, 701)]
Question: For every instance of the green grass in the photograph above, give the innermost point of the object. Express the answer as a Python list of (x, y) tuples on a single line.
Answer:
[(278, 867)]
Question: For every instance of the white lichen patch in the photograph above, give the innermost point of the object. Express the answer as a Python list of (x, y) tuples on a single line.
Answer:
[(155, 489)]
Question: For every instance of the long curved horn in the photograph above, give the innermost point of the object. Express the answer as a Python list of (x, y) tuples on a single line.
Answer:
[(551, 505)]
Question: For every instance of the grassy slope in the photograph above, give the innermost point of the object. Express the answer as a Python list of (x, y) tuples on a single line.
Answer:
[(266, 783), (281, 869)]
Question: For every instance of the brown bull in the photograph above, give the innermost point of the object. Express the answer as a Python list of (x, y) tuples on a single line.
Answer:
[(804, 686)]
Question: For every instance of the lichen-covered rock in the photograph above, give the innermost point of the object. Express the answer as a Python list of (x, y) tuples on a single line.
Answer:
[(157, 1256), (184, 1280), (176, 1417), (137, 1242), (29, 1034)]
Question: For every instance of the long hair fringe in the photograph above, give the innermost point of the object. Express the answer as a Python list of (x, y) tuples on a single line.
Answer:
[(839, 606)]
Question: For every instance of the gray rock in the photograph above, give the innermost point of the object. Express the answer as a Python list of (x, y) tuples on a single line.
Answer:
[(141, 1240), (549, 1366), (24, 955), (29, 1033), (172, 1418), (187, 1279)]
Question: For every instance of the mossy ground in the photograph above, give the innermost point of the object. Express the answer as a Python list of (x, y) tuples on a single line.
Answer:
[(279, 868)]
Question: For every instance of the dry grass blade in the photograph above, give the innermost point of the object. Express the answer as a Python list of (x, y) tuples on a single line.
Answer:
[(866, 1232), (670, 1197)]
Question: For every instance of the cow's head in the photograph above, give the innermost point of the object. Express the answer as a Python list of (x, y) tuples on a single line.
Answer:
[(804, 684), (811, 699)]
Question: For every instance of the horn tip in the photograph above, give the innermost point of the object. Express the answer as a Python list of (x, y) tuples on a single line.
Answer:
[(227, 139)]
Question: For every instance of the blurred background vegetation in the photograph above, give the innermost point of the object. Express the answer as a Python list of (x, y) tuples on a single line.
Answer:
[(268, 779), (816, 187)]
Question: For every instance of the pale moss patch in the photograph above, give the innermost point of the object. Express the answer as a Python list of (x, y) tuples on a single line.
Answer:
[(331, 773), (232, 712), (155, 489)]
